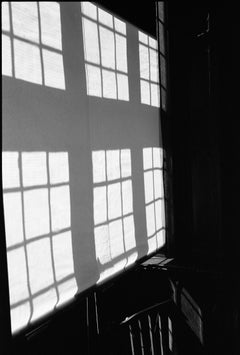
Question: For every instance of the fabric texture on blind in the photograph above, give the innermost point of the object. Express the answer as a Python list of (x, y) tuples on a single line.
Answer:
[(82, 152)]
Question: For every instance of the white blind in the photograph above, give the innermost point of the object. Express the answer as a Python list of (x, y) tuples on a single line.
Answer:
[(82, 152)]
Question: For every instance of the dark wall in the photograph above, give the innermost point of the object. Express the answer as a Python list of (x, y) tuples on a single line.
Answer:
[(203, 130)]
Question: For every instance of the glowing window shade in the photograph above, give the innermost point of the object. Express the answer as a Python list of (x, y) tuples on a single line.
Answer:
[(126, 169), (149, 73), (162, 49), (113, 164), (27, 62), (7, 57), (10, 170), (36, 212), (62, 252), (40, 264), (109, 84), (154, 197), (51, 24), (43, 304), (53, 69), (121, 53), (120, 26), (114, 201), (100, 204), (105, 18), (105, 45), (60, 208), (14, 231), (92, 45), (25, 20), (99, 169), (107, 48), (114, 230), (34, 32), (34, 167), (145, 92), (5, 16), (38, 238), (94, 80), (89, 9), (17, 275), (58, 167)]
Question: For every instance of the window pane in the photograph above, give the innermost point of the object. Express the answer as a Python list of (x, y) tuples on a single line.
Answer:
[(107, 48), (91, 45), (121, 52)]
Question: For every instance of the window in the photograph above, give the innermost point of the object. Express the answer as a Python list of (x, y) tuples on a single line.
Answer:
[(162, 50), (39, 240), (154, 197), (114, 230), (32, 43), (149, 75), (105, 51)]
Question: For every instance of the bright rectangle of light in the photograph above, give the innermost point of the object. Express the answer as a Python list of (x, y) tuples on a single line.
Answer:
[(121, 53), (91, 43), (63, 255), (17, 275), (145, 92), (114, 201), (126, 169), (122, 86), (27, 62), (60, 208), (34, 168), (25, 20), (6, 56), (5, 16), (105, 18), (109, 84), (10, 170), (147, 158), (148, 186), (53, 69), (102, 244), (100, 204), (99, 168), (127, 197), (36, 210), (50, 24), (94, 80), (116, 238), (107, 44), (40, 264), (113, 164), (144, 62), (58, 167), (89, 9), (13, 229)]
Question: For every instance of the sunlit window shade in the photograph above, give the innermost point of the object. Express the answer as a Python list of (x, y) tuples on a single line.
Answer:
[(105, 53), (82, 177), (154, 197), (149, 72), (32, 43), (114, 230), (39, 242)]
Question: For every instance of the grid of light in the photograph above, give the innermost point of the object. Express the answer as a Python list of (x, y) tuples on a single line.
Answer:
[(149, 73), (105, 52), (154, 197), (114, 230), (38, 236), (32, 43)]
